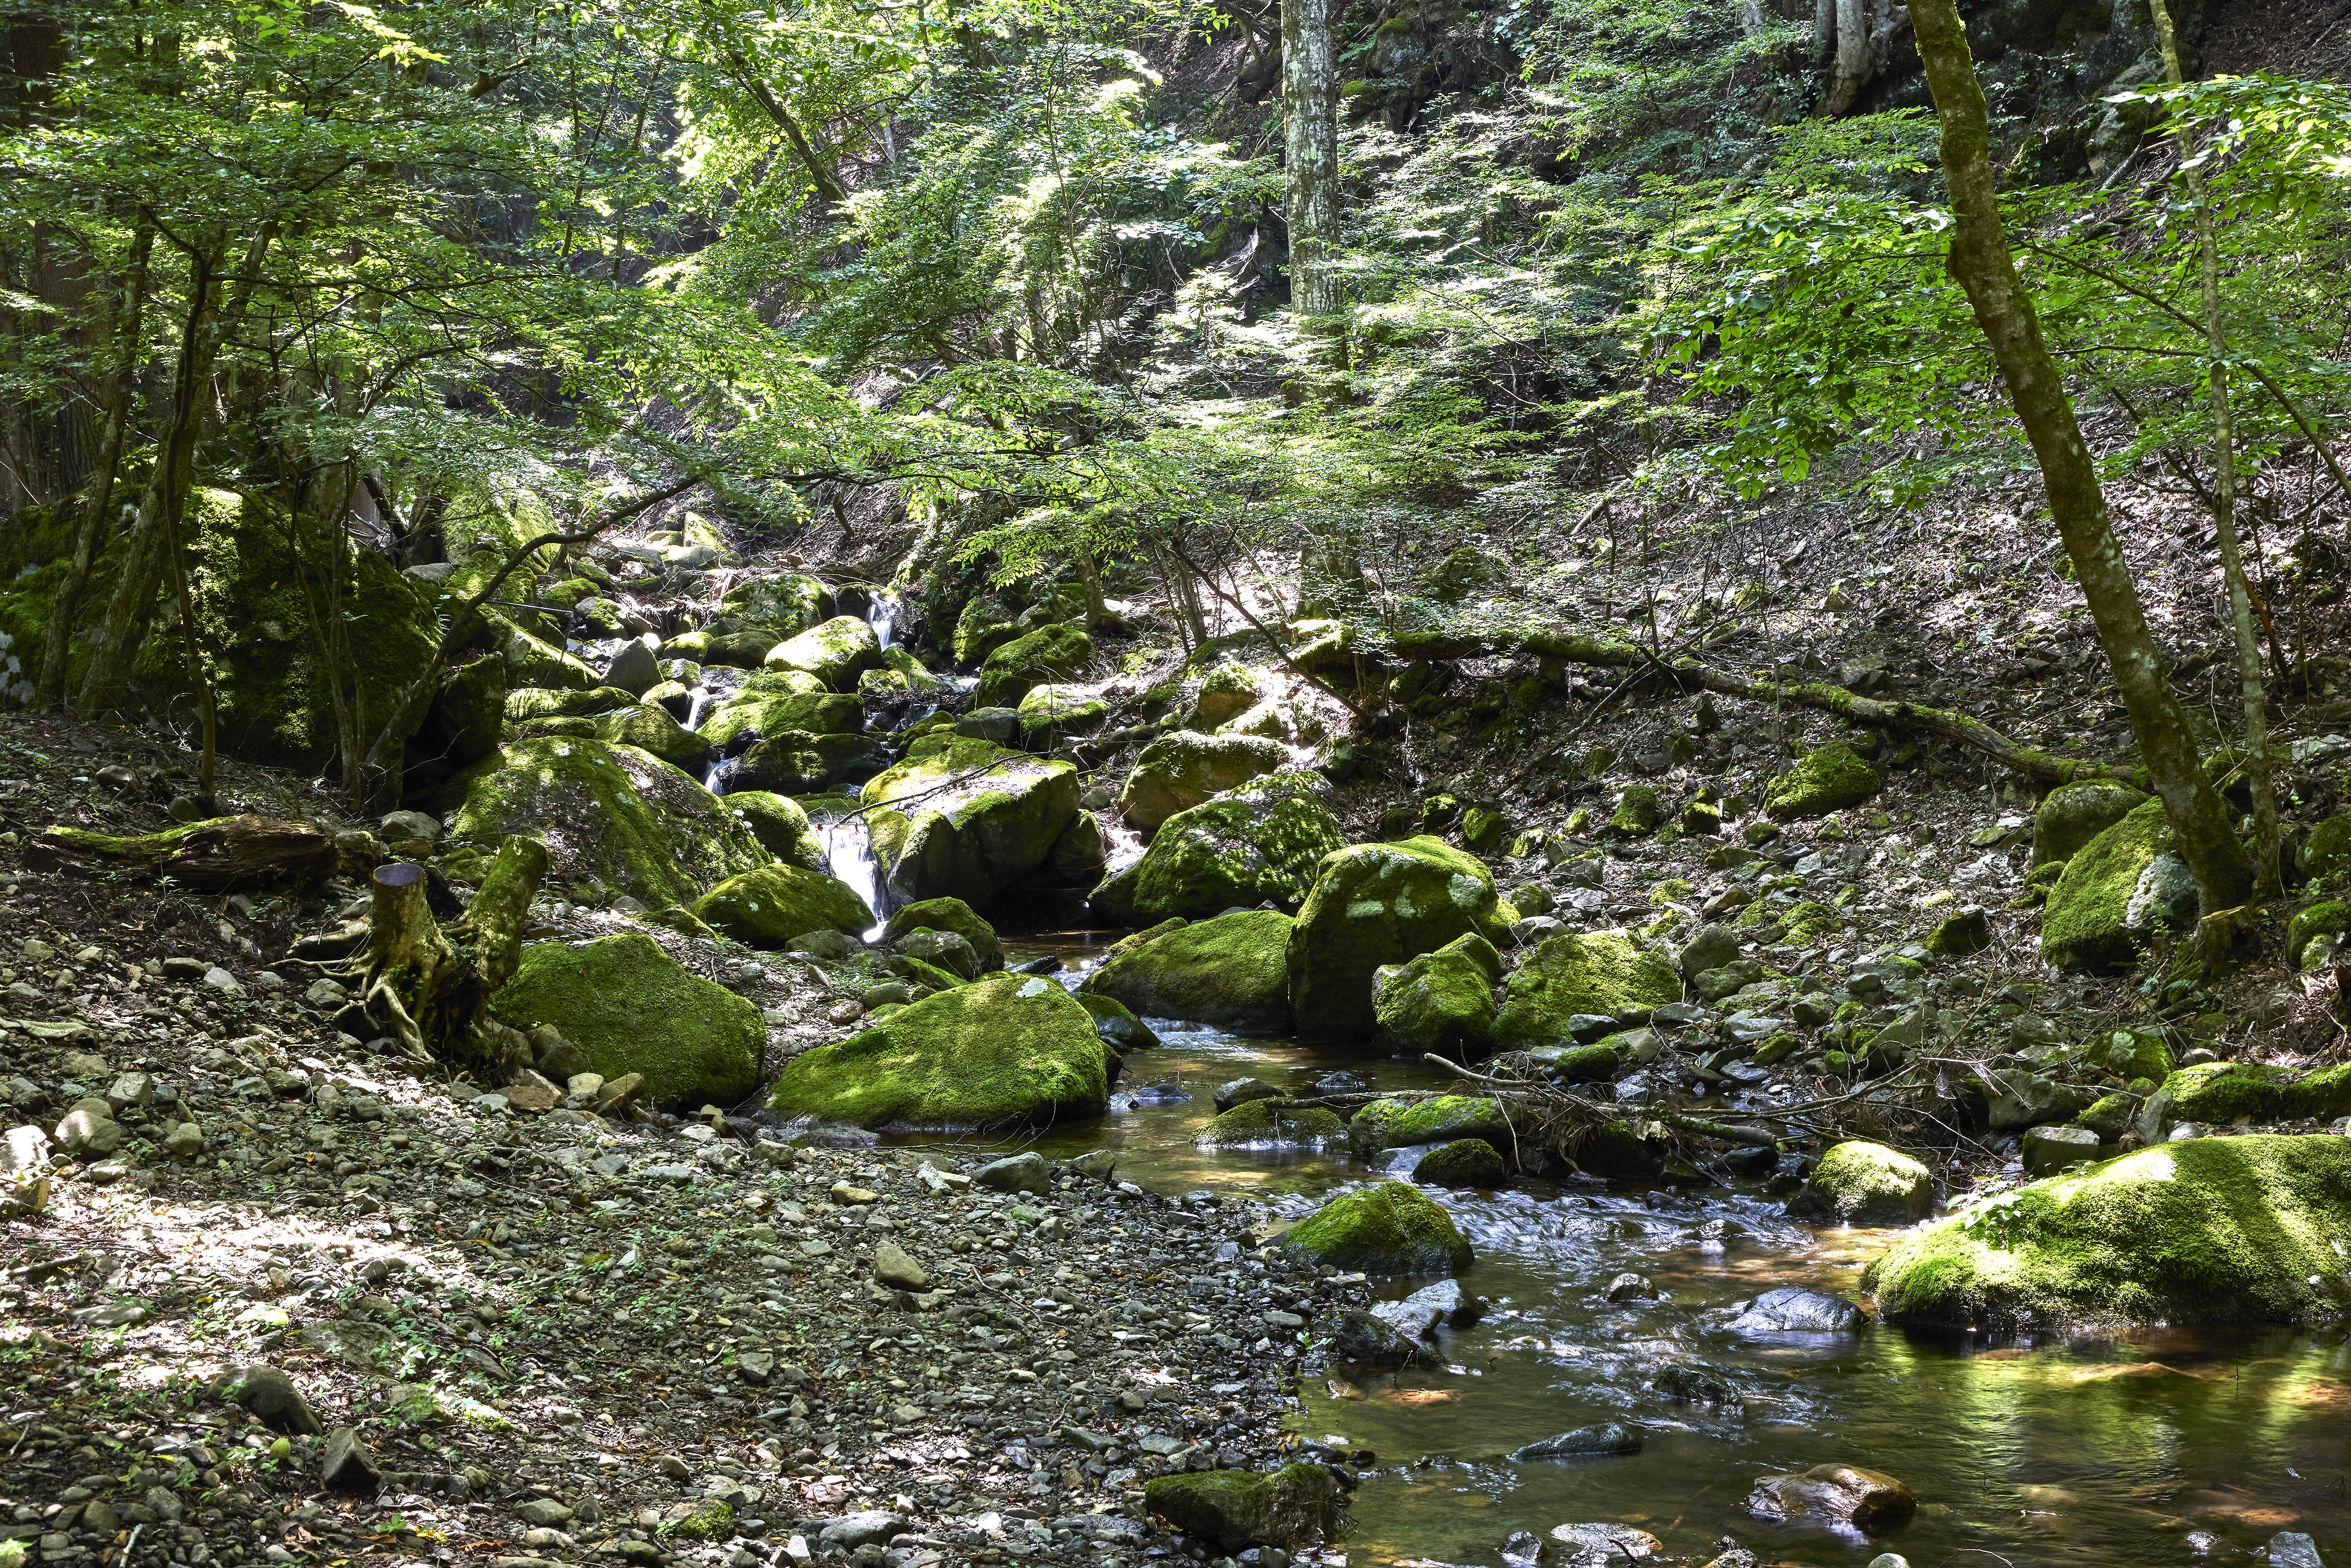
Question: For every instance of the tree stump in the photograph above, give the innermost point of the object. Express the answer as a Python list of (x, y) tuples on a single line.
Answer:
[(431, 993)]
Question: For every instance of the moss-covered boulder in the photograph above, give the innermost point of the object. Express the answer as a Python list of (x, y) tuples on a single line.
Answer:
[(2073, 814), (1861, 1183), (967, 819), (1466, 1162), (1388, 1229), (1257, 1124), (2225, 1091), (1179, 771), (1116, 1023), (1226, 693), (1830, 778), (1011, 1051), (835, 652), (1295, 1506), (2086, 927), (1049, 710), (1049, 653), (2328, 856), (1595, 972), (948, 914), (2208, 1230), (532, 660), (1638, 811), (1257, 845), (528, 702), (631, 1007), (465, 720), (1373, 905), (612, 812), (2329, 918), (1442, 1119), (651, 728), (1231, 972), (1441, 1002), (782, 829), (769, 906), (773, 701), (796, 762)]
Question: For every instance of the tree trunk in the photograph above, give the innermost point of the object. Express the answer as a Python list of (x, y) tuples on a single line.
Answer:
[(1852, 66), (1090, 586), (429, 993), (178, 456), (227, 854), (1980, 262), (1310, 142), (2254, 689), (1750, 17)]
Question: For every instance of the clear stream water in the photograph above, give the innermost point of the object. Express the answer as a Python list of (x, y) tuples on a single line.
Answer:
[(2158, 1447)]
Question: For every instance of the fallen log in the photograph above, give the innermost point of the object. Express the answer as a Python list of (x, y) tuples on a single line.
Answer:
[(224, 854)]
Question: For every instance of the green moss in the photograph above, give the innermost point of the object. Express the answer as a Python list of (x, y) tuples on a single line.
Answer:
[(1441, 1002), (1049, 653), (1231, 972), (1638, 811), (530, 660), (632, 1008), (2111, 1116), (1119, 1027), (2073, 814), (2329, 917), (948, 914), (1466, 1162), (1443, 1119), (769, 906), (1594, 1063), (1010, 1051), (2328, 856), (1386, 1229), (1048, 710), (2222, 1092), (1374, 904), (1297, 1505), (2082, 928), (1179, 772), (612, 813), (1258, 845), (779, 824), (1809, 921), (1862, 1183), (542, 702), (773, 701), (1598, 972), (795, 762), (2208, 1230), (975, 818), (2131, 1054), (1226, 693), (835, 652), (711, 1520), (769, 609), (1256, 1123), (1830, 778)]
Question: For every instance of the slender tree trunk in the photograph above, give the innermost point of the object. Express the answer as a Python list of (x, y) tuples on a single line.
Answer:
[(2224, 501), (1309, 141), (178, 456), (1980, 262), (1851, 67), (1750, 17)]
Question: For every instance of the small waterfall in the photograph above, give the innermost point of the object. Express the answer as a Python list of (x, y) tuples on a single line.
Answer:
[(1123, 844), (848, 852), (882, 614), (697, 700)]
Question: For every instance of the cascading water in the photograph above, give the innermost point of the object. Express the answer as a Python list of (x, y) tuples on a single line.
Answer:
[(849, 853), (882, 614)]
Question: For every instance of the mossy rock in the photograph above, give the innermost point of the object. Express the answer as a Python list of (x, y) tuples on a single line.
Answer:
[(612, 812), (1049, 653), (987, 623), (769, 609), (1257, 1124), (1295, 1506), (1466, 1162), (1257, 845), (1440, 1002), (1374, 904), (2328, 856), (1179, 772), (2208, 1230), (651, 728), (835, 652), (1226, 693), (1809, 921), (1594, 1063), (1388, 1229), (532, 660), (2224, 1091), (1830, 778), (1049, 710), (780, 825), (796, 762), (773, 701), (1443, 1119), (256, 608), (565, 701), (466, 719), (1960, 933), (975, 819), (2328, 917), (948, 914), (1483, 830), (2131, 1054), (1231, 972), (2073, 814), (1119, 1027), (1862, 1183), (631, 1007), (2111, 1116), (2083, 927), (1596, 972), (711, 1518), (1011, 1051), (1638, 811), (769, 906), (1621, 1151)]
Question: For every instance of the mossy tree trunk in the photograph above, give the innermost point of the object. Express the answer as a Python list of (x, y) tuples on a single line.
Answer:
[(1980, 262), (227, 854), (1310, 140), (428, 992)]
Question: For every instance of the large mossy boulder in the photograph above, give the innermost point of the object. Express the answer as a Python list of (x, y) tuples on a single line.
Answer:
[(1231, 972), (1592, 973), (2086, 925), (835, 652), (651, 728), (1440, 1002), (1441, 1119), (773, 701), (782, 829), (769, 906), (2207, 1230), (631, 1007), (796, 762), (966, 819), (1049, 653), (1006, 1051), (466, 718), (1049, 710), (752, 617), (951, 914), (2073, 814), (1392, 1227), (532, 660), (1829, 777), (612, 812), (2328, 856), (1179, 772), (1262, 1124), (1861, 1183), (1374, 904), (1257, 845), (1295, 1506), (2329, 918), (2220, 1093)]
